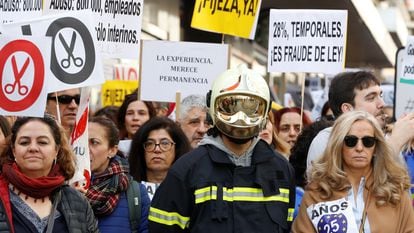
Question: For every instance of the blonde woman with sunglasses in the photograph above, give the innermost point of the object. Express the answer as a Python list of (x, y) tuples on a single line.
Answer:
[(357, 185)]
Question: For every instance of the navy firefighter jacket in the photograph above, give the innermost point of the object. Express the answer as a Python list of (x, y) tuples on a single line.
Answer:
[(205, 192)]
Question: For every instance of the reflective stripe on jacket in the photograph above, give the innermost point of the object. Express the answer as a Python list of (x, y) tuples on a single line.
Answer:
[(205, 192)]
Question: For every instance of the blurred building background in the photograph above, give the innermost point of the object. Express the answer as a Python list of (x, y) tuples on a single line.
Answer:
[(376, 29)]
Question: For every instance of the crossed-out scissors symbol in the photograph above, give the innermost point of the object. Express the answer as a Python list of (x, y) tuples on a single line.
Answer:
[(69, 49), (10, 87)]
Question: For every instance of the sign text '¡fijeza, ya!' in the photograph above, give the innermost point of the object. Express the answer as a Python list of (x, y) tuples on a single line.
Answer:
[(14, 5), (248, 8)]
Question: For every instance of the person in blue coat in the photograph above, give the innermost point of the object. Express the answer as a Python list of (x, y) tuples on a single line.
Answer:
[(109, 191)]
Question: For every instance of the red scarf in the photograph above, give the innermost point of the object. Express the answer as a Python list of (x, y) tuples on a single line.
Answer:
[(33, 187)]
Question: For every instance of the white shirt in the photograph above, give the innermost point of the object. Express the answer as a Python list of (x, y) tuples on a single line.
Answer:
[(358, 205)]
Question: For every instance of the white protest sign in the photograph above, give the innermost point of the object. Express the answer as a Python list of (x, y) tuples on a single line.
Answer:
[(307, 41), (23, 72), (404, 71), (80, 142), (116, 25), (11, 11), (185, 67), (74, 61)]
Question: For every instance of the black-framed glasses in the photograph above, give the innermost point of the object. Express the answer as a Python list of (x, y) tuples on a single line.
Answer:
[(65, 99), (367, 141), (164, 144)]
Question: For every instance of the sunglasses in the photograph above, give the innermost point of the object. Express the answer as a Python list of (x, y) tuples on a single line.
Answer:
[(65, 99), (367, 141)]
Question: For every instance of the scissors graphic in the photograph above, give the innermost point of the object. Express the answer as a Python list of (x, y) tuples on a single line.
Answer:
[(69, 49), (22, 89)]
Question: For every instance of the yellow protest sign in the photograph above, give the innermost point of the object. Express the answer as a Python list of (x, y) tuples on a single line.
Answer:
[(233, 17), (113, 91)]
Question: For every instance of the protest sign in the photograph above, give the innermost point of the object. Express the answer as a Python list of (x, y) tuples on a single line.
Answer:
[(185, 67), (307, 41), (11, 11), (74, 61), (116, 25), (23, 73), (404, 79), (80, 142), (113, 92), (125, 72), (232, 17)]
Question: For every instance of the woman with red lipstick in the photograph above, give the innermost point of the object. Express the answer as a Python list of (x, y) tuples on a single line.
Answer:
[(155, 147), (357, 185)]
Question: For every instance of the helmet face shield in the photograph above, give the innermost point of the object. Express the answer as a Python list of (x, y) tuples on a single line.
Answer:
[(241, 115), (240, 110)]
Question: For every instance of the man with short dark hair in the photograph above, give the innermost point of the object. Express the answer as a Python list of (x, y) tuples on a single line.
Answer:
[(360, 90)]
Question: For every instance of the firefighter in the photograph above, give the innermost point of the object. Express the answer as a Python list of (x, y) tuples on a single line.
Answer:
[(233, 181)]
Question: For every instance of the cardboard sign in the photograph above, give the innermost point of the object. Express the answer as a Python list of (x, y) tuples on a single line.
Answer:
[(74, 61), (307, 41), (232, 17), (23, 73), (113, 92), (185, 67), (116, 25)]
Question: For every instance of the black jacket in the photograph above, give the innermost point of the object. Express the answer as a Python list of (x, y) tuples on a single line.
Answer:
[(75, 208), (205, 192)]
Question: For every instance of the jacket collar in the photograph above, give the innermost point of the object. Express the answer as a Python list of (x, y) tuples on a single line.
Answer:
[(262, 152)]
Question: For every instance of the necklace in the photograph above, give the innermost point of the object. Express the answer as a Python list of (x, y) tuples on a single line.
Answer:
[(25, 196)]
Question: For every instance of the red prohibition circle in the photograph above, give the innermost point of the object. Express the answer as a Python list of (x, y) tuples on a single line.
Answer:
[(38, 78)]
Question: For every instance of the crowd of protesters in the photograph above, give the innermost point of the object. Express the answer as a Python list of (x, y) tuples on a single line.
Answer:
[(223, 162)]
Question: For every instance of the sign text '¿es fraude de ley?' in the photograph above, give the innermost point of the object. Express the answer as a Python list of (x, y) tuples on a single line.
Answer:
[(307, 53)]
